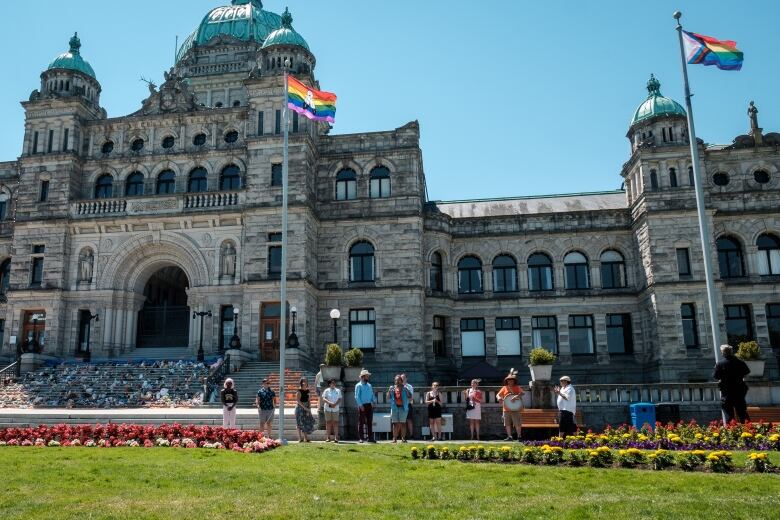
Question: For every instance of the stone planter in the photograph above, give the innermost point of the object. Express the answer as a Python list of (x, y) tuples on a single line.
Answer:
[(352, 374), (329, 373), (756, 367), (540, 372)]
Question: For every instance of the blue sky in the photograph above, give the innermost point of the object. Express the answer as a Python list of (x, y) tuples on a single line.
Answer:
[(572, 74)]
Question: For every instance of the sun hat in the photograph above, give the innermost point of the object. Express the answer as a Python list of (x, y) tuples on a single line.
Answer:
[(565, 378), (365, 372), (512, 375)]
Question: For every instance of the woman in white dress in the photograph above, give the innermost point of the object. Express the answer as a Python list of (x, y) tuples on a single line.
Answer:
[(473, 398)]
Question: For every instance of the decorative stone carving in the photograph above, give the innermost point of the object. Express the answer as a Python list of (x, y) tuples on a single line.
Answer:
[(153, 205), (174, 95), (107, 244), (228, 260), (86, 264), (207, 239)]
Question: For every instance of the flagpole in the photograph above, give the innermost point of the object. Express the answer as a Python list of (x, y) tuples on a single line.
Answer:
[(704, 228), (283, 279)]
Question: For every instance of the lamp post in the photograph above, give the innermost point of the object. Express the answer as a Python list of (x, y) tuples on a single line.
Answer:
[(36, 346), (335, 314), (235, 341), (292, 341), (202, 314), (88, 353)]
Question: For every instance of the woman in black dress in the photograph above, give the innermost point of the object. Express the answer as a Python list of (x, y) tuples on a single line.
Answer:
[(303, 417), (433, 400)]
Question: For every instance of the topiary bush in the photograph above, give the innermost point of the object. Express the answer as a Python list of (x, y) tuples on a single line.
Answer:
[(541, 356), (748, 351), (333, 355), (354, 357)]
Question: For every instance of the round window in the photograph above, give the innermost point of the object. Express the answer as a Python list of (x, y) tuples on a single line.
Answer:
[(168, 142), (107, 147), (199, 140), (137, 145), (231, 137), (720, 179), (761, 176)]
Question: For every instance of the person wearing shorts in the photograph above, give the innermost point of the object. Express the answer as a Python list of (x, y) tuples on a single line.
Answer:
[(331, 398), (398, 396), (512, 418), (265, 403)]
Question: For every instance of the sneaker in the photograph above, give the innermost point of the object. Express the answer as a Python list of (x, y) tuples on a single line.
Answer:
[(336, 441), (508, 439), (372, 441), (361, 441), (403, 440)]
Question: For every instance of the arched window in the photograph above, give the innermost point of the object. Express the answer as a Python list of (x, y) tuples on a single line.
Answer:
[(137, 145), (576, 265), (4, 202), (437, 272), (730, 258), (469, 275), (5, 275), (168, 142), (540, 273), (673, 177), (104, 187), (361, 262), (232, 136), (166, 182), (198, 180), (761, 176), (768, 255), (504, 274), (346, 184), (653, 180), (107, 147), (230, 178), (380, 183), (134, 185), (613, 270), (199, 139)]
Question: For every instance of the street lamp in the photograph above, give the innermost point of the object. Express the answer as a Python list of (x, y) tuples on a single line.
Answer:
[(36, 346), (202, 314), (335, 315), (292, 341), (88, 353), (235, 341)]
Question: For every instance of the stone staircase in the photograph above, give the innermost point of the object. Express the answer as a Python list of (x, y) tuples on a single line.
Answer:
[(158, 354), (249, 378)]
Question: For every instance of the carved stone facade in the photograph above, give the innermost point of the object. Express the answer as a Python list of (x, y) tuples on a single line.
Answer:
[(97, 208)]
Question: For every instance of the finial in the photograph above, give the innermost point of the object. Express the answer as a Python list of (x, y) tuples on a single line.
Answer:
[(653, 86), (287, 18), (75, 44)]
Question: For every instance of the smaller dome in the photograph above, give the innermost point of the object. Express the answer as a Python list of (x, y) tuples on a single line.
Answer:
[(656, 104), (286, 35), (72, 59)]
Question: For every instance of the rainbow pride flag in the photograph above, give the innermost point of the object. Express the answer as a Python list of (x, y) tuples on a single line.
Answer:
[(706, 50), (309, 102)]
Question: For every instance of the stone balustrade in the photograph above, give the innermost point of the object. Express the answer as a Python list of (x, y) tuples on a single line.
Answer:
[(157, 204)]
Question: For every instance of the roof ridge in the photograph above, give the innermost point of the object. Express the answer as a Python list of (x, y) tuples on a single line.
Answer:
[(529, 197)]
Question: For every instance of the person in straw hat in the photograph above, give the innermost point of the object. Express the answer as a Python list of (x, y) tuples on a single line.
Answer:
[(509, 395), (364, 397), (567, 407)]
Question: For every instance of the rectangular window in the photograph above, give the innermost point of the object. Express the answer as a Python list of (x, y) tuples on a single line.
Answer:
[(683, 262), (544, 330), (227, 326), (35, 143), (274, 237), (671, 133), (472, 337), (739, 325), (3, 209), (439, 347), (581, 338), (619, 340), (84, 326), (362, 329), (44, 195), (260, 122), (773, 324), (65, 140), (278, 123), (50, 144), (690, 176), (295, 123), (276, 175), (508, 337), (379, 188), (2, 331), (36, 272), (39, 249), (690, 329), (274, 262)]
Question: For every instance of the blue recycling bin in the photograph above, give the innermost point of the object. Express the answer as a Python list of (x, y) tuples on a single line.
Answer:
[(642, 413)]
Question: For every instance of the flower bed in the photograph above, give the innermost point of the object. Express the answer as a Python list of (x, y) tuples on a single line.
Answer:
[(719, 461), (678, 437), (136, 436)]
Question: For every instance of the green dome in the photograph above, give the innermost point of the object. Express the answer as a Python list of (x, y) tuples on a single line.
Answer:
[(72, 59), (286, 35), (243, 20), (656, 104)]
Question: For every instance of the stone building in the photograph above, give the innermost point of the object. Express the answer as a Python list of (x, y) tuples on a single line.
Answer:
[(146, 218)]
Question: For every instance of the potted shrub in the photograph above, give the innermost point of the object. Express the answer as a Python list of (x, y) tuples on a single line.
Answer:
[(540, 362), (332, 368), (750, 353), (354, 364)]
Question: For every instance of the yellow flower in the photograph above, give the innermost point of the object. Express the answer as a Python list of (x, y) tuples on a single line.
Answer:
[(626, 435), (602, 449), (699, 452), (713, 457), (642, 437), (775, 437), (746, 435), (622, 452), (759, 436), (716, 434), (593, 453), (430, 446), (698, 435), (652, 456)]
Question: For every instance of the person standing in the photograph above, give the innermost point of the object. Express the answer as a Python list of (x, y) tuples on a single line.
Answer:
[(398, 396), (433, 400), (331, 398), (510, 396), (229, 398), (266, 403), (364, 397), (730, 373), (409, 412), (473, 398), (567, 407), (304, 420)]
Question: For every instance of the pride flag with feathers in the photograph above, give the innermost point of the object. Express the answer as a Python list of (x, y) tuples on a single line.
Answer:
[(706, 50), (310, 102)]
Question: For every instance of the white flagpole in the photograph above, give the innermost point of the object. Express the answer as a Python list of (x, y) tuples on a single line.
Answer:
[(704, 228), (283, 279)]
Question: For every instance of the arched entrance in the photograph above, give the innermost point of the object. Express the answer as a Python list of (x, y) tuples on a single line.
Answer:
[(164, 319)]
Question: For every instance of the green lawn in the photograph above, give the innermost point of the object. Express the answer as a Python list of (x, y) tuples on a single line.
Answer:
[(355, 482)]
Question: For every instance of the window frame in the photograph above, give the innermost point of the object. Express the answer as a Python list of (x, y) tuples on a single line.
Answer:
[(198, 184), (689, 320), (578, 270), (765, 256), (730, 256), (471, 271), (500, 273), (538, 325), (773, 324), (684, 266), (166, 182), (132, 185), (355, 320), (379, 183), (734, 339), (346, 184), (626, 328), (472, 325), (103, 189), (610, 266), (274, 268), (573, 326), (366, 263), (43, 194), (230, 175), (535, 273), (277, 175), (436, 273), (509, 324), (439, 346)]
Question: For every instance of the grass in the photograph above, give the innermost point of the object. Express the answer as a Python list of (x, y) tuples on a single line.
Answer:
[(355, 482)]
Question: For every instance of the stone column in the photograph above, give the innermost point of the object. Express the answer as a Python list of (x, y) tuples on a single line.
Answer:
[(108, 330), (564, 352)]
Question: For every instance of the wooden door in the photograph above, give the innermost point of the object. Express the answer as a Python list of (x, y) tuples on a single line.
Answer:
[(34, 331), (269, 332)]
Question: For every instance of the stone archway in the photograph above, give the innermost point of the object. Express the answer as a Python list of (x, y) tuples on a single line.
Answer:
[(164, 320)]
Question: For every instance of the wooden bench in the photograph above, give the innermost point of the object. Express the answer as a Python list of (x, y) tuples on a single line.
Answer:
[(765, 413), (545, 418)]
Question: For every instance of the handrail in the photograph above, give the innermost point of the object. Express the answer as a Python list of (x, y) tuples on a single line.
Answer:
[(216, 376), (6, 369)]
